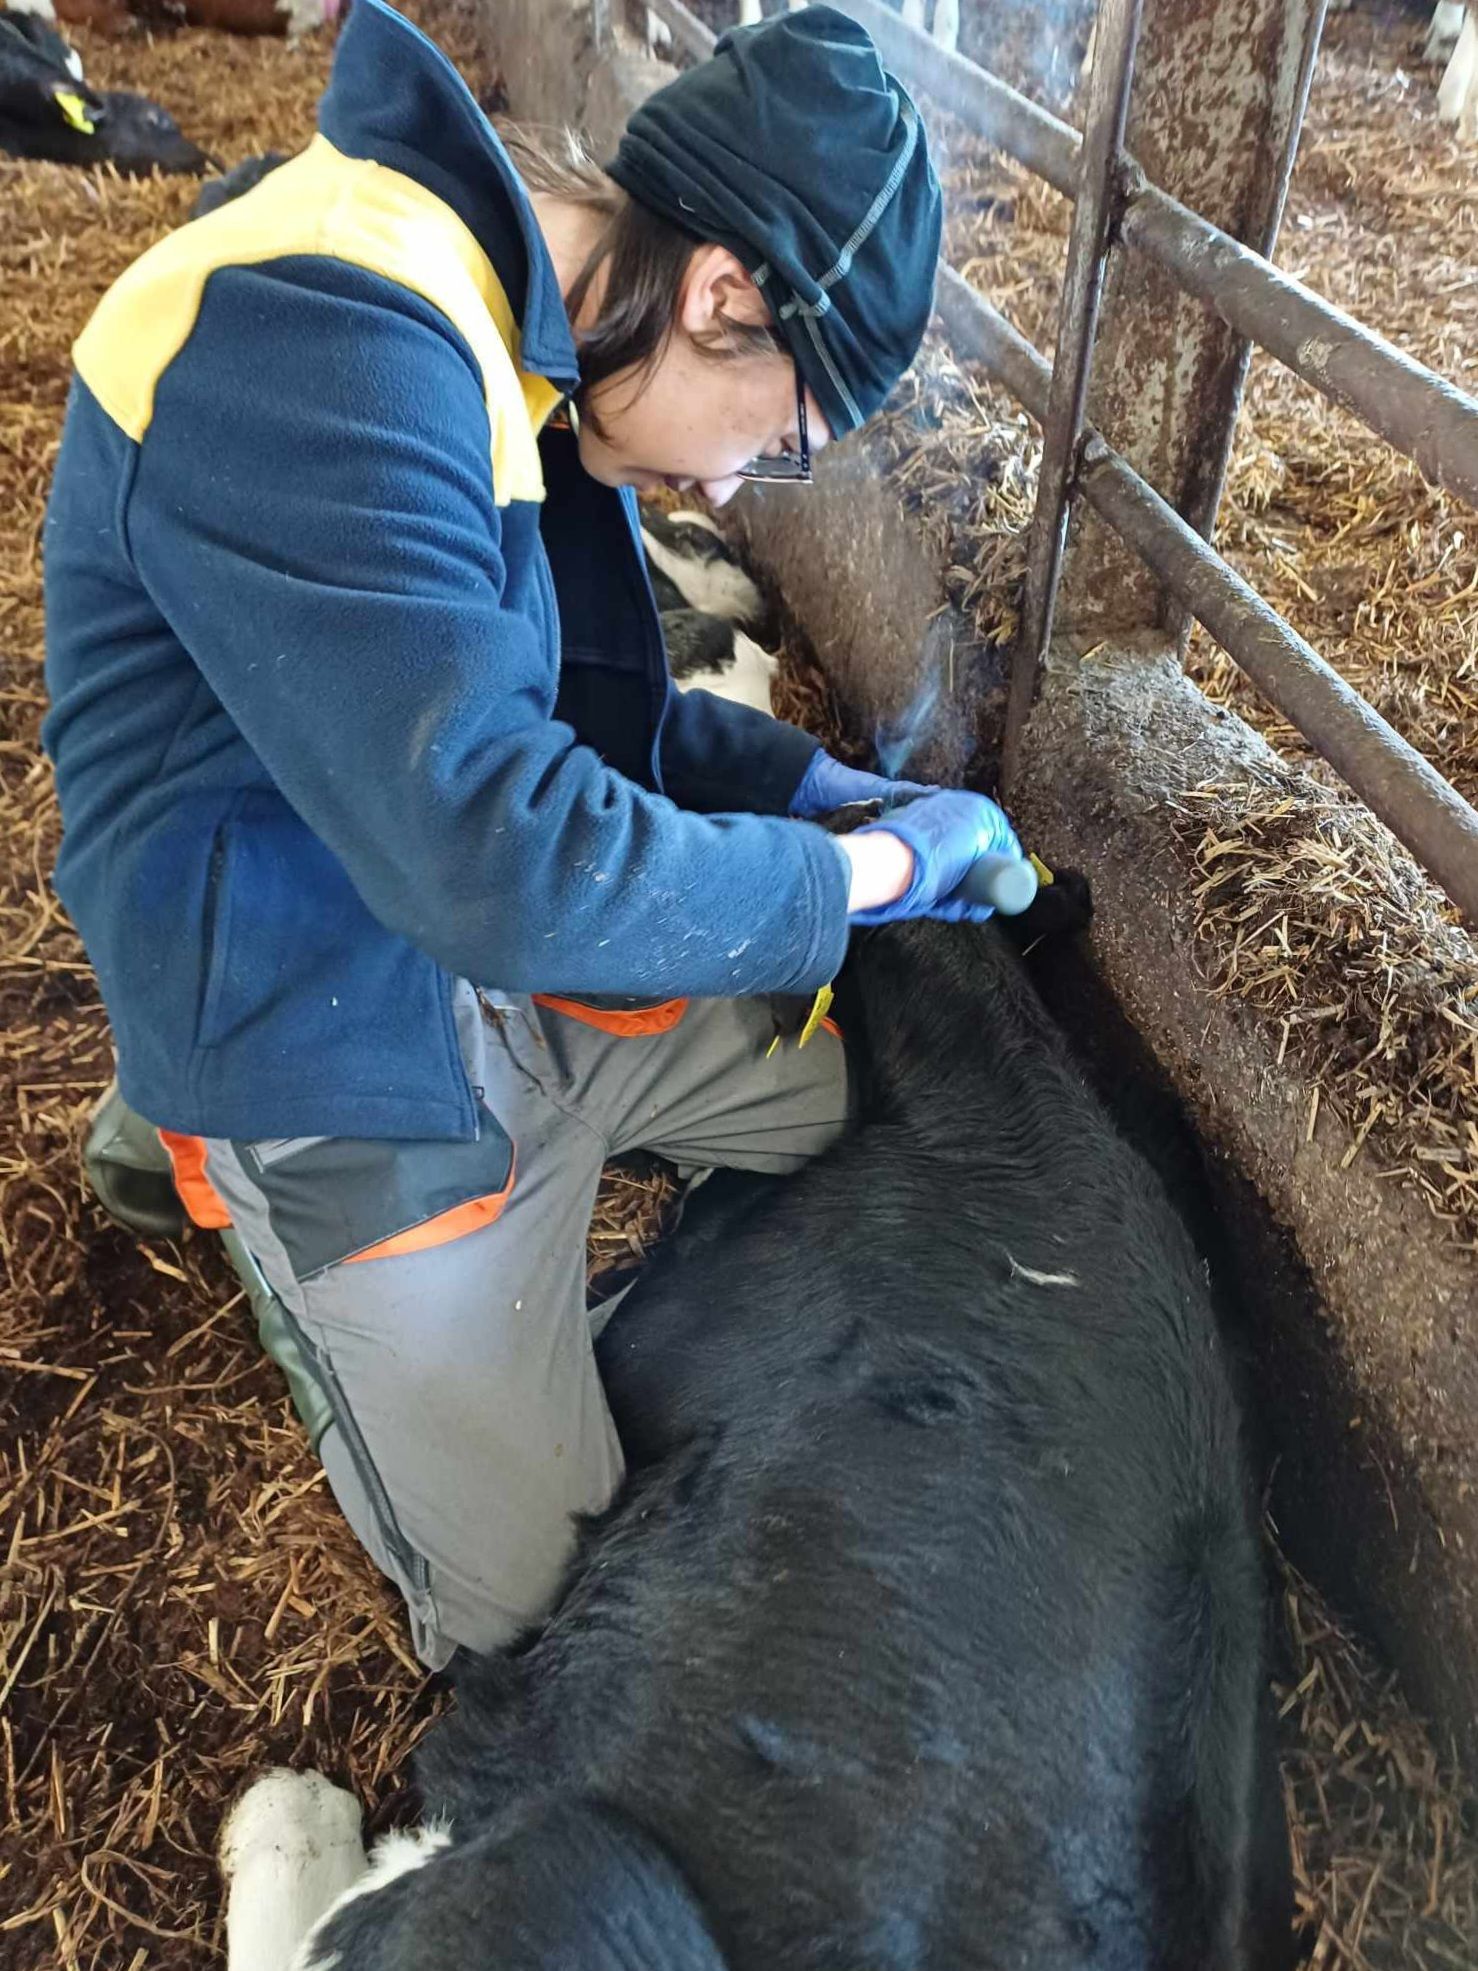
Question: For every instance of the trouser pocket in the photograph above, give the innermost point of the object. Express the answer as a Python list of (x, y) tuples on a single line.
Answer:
[(333, 1200)]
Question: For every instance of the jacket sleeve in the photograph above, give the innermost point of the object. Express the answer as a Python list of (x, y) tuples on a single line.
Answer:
[(717, 755), (312, 512)]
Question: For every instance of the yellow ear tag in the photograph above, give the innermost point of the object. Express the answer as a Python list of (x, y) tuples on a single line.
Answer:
[(820, 1007), (773, 1047), (74, 111), (1044, 874)]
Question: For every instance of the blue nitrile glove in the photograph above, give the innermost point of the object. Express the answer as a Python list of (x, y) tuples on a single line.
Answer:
[(827, 784), (946, 833)]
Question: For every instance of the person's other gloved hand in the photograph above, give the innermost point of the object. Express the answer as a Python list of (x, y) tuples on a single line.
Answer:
[(946, 833), (827, 784)]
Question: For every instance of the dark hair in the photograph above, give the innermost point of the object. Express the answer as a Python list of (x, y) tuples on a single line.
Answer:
[(645, 258)]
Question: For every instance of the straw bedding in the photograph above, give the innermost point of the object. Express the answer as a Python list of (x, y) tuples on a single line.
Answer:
[(179, 1602)]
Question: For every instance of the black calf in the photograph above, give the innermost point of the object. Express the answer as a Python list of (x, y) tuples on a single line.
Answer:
[(48, 111), (927, 1632), (232, 184)]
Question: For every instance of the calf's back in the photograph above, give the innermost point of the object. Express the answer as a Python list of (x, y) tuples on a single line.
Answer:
[(928, 1629)]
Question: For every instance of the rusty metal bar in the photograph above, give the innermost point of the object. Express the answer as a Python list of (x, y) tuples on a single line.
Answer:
[(1410, 406), (1094, 214), (1204, 496), (989, 106), (1399, 785), (1407, 404), (981, 334), (687, 31)]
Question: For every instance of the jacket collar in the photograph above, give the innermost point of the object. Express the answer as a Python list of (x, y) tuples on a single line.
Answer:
[(393, 97)]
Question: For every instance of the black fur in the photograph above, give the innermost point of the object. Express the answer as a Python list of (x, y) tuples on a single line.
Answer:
[(697, 643), (233, 183), (927, 1630), (26, 41), (685, 538), (129, 131)]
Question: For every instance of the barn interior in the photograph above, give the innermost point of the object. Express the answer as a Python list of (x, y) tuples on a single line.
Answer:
[(1278, 1001)]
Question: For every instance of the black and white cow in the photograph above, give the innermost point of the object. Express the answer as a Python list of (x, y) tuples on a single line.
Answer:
[(927, 1632), (1453, 38), (49, 111), (707, 602)]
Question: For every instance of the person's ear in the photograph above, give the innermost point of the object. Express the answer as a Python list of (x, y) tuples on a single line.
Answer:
[(716, 289)]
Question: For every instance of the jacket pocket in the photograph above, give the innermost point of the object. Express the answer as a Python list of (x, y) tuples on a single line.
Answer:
[(215, 933)]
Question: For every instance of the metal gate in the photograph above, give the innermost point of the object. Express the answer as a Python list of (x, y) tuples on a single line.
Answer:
[(1117, 207)]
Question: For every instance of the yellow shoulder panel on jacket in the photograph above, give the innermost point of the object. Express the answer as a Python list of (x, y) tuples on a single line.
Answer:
[(347, 209)]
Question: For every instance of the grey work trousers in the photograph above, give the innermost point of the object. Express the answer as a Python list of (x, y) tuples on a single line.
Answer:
[(467, 1421)]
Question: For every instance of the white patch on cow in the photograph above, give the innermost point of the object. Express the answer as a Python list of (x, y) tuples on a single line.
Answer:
[(1030, 1273), (689, 516), (306, 17), (1457, 98), (749, 12), (42, 9), (946, 28), (394, 1855), (747, 681), (289, 1850), (1447, 25), (719, 587)]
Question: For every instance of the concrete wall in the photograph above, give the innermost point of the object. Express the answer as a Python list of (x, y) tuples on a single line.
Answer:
[(1361, 1315)]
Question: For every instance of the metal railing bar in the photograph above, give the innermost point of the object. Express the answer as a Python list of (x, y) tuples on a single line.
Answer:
[(1399, 785), (981, 334), (1395, 781), (688, 32), (1413, 408), (1202, 507), (1429, 419), (1082, 289), (981, 100)]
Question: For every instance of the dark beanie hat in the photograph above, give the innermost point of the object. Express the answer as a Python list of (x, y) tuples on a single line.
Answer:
[(794, 148)]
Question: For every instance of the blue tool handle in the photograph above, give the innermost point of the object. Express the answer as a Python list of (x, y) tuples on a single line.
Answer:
[(1007, 882)]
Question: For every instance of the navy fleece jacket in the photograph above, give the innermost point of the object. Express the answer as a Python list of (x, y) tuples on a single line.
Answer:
[(357, 680)]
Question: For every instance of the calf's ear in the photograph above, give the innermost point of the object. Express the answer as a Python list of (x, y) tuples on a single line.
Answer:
[(574, 1883)]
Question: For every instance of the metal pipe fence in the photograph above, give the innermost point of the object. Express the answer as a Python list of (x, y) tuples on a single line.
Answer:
[(1416, 411), (1094, 215)]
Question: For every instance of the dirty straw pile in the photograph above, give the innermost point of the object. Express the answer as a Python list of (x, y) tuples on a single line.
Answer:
[(180, 1602)]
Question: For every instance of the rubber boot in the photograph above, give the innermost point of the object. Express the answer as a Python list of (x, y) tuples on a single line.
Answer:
[(129, 1171), (283, 1340)]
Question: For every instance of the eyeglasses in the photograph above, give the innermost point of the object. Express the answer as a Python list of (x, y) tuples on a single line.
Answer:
[(792, 466)]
